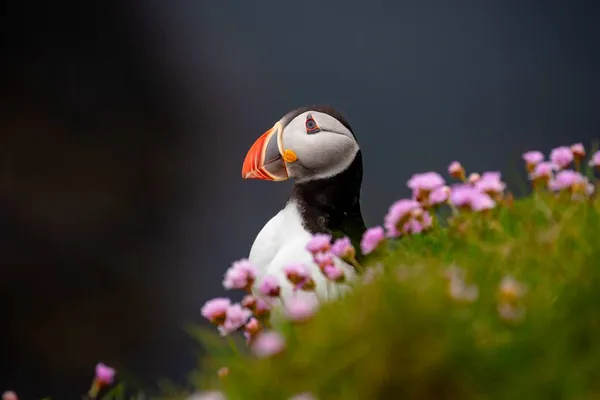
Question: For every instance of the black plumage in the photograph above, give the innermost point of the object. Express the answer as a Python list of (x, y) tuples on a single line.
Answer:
[(331, 205)]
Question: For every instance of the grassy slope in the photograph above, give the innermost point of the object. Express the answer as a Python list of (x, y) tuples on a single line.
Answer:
[(403, 336)]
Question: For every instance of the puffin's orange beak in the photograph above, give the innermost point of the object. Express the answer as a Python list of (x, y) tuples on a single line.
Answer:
[(264, 160)]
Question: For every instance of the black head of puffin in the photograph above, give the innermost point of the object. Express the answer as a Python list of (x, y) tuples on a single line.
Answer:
[(317, 148)]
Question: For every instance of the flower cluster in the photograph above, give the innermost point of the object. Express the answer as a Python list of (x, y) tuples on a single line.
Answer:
[(324, 253), (430, 191), (250, 315), (555, 175), (246, 315)]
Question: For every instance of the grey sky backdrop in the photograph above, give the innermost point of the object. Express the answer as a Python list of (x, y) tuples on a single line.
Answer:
[(125, 125)]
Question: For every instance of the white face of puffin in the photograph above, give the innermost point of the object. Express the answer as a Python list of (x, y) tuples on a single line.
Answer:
[(313, 145)]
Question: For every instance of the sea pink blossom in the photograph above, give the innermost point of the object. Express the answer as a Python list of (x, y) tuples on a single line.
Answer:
[(371, 239), (268, 343), (237, 316), (417, 225), (561, 156), (474, 177), (543, 170), (490, 183), (466, 196), (270, 286), (334, 273), (427, 181), (323, 259), (104, 374), (595, 160), (456, 170), (240, 275), (439, 195), (343, 248), (301, 308), (215, 310), (9, 395), (262, 307), (319, 243), (578, 151), (398, 214), (533, 158), (297, 273), (566, 179)]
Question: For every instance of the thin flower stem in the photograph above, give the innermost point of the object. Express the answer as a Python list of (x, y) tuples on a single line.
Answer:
[(232, 345), (356, 264), (93, 392)]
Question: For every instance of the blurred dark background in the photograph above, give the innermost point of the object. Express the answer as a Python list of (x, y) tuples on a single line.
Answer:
[(123, 126)]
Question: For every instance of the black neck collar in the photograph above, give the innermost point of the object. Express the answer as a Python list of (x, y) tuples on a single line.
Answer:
[(332, 205)]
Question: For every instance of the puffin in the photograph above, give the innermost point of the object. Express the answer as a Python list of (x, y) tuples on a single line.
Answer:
[(316, 148)]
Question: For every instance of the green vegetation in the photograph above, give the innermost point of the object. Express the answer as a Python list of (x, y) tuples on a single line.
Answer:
[(405, 336)]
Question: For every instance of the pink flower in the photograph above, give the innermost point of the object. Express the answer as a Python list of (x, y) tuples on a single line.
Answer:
[(270, 286), (595, 160), (251, 329), (578, 150), (343, 248), (104, 374), (323, 259), (297, 273), (249, 302), (240, 275), (461, 195), (426, 182), (490, 183), (567, 179), (398, 214), (215, 310), (474, 177), (491, 175), (334, 273), (9, 395), (262, 307), (417, 225), (561, 156), (268, 344), (543, 170), (371, 239), (466, 196), (301, 308), (258, 305), (252, 325), (481, 202), (319, 243), (439, 195), (456, 170), (533, 158), (237, 316)]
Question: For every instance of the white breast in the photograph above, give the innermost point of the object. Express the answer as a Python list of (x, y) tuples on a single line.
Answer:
[(283, 241)]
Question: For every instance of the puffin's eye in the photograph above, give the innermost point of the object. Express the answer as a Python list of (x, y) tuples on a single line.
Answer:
[(311, 125)]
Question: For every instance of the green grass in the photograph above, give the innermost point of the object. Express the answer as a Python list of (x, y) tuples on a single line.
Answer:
[(403, 336)]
